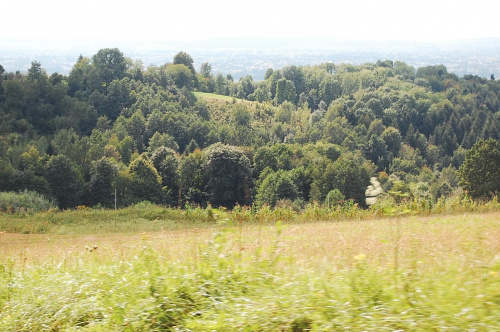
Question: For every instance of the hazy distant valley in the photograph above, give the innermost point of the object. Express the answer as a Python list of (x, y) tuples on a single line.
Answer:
[(249, 56)]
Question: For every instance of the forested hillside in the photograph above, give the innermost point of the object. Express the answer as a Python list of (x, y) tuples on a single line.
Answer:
[(304, 134)]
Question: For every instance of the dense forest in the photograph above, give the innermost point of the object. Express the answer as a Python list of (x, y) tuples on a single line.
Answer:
[(173, 135)]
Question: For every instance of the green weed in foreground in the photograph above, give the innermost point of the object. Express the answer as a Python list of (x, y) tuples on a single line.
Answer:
[(222, 289)]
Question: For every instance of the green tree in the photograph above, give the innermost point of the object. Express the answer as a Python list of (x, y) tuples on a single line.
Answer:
[(241, 115), (192, 179), (262, 93), (102, 181), (14, 96), (273, 81), (181, 76), (6, 176), (263, 158), (334, 197), (285, 112), (409, 161), (36, 72), (376, 151), (221, 85), (329, 89), (392, 139), (229, 173), (125, 148), (109, 64), (268, 74), (276, 157), (146, 182), (166, 163), (158, 140), (206, 70), (480, 173), (118, 97), (295, 75), (31, 171), (276, 186), (285, 91), (78, 80), (136, 127), (65, 181), (345, 174), (182, 58), (245, 87)]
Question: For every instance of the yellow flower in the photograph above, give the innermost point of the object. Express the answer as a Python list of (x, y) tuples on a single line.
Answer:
[(360, 257)]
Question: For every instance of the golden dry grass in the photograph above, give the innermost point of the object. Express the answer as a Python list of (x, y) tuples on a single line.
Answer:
[(408, 242), (413, 273)]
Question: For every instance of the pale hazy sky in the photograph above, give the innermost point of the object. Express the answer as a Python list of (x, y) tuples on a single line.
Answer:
[(145, 20)]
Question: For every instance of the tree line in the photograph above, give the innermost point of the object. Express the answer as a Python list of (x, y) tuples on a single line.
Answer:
[(303, 134)]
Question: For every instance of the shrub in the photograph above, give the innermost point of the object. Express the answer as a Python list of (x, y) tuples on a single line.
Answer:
[(24, 201)]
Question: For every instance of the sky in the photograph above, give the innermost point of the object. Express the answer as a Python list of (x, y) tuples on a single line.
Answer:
[(106, 21)]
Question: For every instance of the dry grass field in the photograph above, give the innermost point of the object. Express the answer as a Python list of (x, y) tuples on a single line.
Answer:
[(413, 273), (432, 241)]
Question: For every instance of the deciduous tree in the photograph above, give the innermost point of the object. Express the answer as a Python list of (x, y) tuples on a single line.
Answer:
[(229, 175), (65, 181), (480, 173)]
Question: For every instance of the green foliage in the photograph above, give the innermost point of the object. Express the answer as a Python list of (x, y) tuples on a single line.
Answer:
[(35, 72), (101, 187), (181, 76), (284, 112), (109, 64), (228, 172), (26, 201), (334, 197), (403, 121), (192, 179), (182, 58), (480, 173), (275, 186), (125, 148), (245, 87), (145, 180), (346, 175), (166, 163), (285, 91), (278, 156), (6, 175), (136, 126), (65, 181), (158, 140), (241, 115)]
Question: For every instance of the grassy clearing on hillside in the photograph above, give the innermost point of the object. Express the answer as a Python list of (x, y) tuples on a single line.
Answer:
[(412, 273), (213, 96)]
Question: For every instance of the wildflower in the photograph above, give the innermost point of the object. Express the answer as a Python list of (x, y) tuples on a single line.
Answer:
[(360, 257)]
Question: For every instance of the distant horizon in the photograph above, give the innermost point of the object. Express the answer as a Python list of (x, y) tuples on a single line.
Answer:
[(243, 42), (240, 56)]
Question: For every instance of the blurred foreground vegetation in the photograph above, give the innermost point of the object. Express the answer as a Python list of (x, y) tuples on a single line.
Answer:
[(398, 273)]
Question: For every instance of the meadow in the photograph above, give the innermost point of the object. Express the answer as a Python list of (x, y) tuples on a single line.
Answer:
[(152, 269), (215, 97)]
